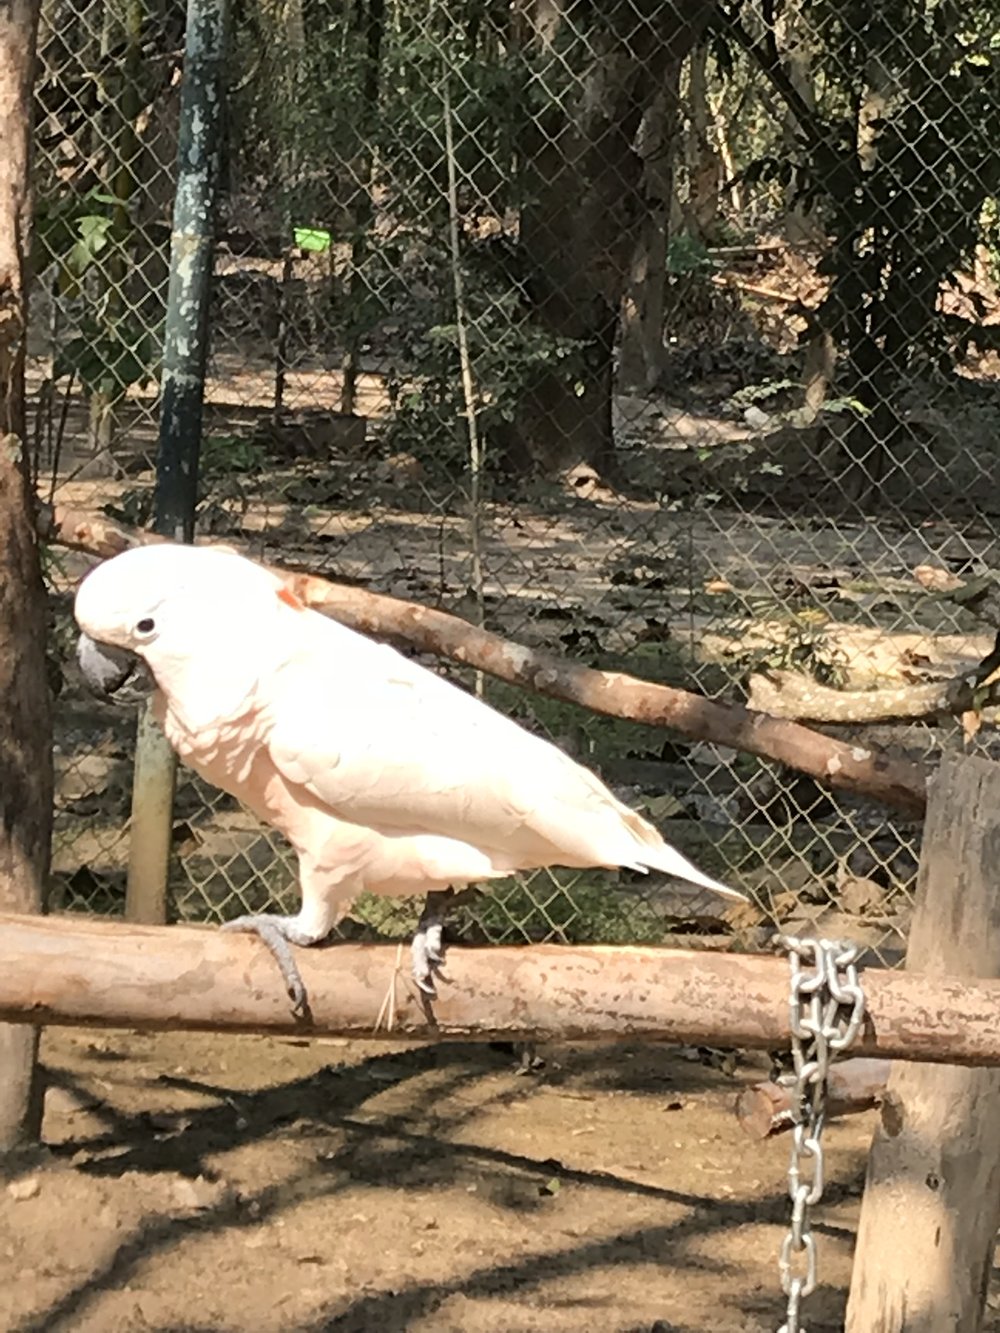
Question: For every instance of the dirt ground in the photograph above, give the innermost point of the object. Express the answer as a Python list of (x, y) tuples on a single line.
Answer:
[(221, 1184)]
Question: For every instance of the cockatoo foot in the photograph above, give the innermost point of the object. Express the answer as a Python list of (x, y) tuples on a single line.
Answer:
[(279, 933), (428, 940), (427, 951)]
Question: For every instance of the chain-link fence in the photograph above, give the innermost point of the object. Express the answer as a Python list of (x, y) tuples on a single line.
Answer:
[(659, 334)]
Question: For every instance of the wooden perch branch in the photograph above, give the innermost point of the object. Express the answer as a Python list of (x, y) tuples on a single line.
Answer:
[(87, 972), (865, 770)]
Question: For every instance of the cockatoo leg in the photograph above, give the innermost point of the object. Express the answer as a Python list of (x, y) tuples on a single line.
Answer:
[(428, 941), (279, 933)]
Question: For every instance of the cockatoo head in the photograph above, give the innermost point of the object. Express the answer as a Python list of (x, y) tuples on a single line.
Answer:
[(190, 619)]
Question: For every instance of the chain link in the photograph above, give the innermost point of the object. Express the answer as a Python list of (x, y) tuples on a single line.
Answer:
[(826, 1008)]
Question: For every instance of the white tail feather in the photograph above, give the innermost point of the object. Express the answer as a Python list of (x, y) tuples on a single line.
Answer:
[(671, 862)]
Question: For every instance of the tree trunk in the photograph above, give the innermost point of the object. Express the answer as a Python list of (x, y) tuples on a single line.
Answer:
[(370, 17), (872, 374), (584, 210), (25, 725), (795, 40), (704, 163), (641, 355)]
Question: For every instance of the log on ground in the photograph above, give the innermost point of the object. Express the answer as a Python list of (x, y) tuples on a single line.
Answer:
[(792, 695), (767, 1108)]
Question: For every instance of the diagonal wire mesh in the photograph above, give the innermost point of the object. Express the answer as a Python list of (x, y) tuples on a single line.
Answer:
[(716, 287)]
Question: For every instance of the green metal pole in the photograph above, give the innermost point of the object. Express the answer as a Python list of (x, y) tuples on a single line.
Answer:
[(182, 390)]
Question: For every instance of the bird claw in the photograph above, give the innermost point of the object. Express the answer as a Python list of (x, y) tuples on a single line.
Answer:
[(297, 994), (427, 951), (278, 936)]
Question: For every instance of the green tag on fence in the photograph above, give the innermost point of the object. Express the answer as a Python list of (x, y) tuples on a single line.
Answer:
[(309, 238)]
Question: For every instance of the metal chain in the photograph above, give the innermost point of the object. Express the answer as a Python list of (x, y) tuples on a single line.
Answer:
[(827, 1006)]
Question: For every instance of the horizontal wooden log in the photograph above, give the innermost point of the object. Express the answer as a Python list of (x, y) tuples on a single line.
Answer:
[(765, 1108), (866, 770), (86, 972)]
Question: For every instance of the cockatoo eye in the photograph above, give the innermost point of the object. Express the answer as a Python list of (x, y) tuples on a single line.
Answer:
[(145, 627)]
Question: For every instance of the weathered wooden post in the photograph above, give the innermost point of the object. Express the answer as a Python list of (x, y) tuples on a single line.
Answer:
[(932, 1195)]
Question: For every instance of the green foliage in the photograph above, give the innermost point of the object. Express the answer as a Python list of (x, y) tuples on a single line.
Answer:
[(901, 153), (223, 455), (805, 647), (134, 507), (752, 394), (71, 231), (688, 254), (80, 236), (356, 115), (107, 355)]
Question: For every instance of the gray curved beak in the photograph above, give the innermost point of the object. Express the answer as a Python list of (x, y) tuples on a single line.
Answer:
[(113, 673)]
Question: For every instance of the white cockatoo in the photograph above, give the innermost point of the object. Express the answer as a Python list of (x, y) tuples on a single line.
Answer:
[(382, 775)]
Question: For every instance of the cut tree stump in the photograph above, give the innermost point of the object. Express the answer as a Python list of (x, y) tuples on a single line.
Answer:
[(854, 1086)]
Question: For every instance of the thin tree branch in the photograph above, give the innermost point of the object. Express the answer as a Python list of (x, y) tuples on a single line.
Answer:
[(468, 386)]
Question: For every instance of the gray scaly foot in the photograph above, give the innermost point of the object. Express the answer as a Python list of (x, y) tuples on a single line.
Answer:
[(428, 949), (279, 933)]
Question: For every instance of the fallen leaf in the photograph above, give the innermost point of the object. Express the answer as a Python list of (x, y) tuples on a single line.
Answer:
[(971, 722)]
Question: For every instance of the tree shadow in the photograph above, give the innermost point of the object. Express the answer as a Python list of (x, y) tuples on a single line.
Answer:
[(411, 1151)]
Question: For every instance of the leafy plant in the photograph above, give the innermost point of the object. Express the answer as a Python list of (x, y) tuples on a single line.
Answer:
[(222, 455), (507, 349), (80, 235), (71, 231), (688, 254), (107, 355)]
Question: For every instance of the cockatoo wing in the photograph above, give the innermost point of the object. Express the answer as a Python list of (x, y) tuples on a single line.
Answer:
[(384, 743)]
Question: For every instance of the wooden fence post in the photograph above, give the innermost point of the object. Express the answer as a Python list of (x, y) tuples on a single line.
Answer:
[(932, 1194)]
